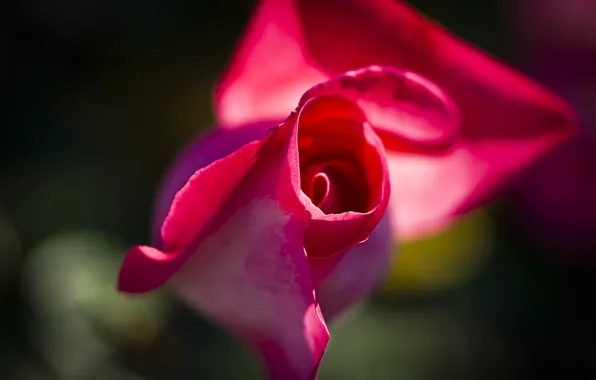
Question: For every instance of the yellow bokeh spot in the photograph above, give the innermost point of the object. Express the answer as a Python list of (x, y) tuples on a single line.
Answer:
[(442, 261)]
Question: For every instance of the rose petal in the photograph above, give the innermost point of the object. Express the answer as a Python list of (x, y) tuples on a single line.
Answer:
[(403, 107), (501, 111), (237, 226), (342, 283), (246, 92), (198, 153), (344, 279), (426, 189), (331, 123)]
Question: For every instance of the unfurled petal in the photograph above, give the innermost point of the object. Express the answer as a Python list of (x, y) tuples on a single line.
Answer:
[(425, 188), (507, 121), (198, 153), (247, 91), (237, 225)]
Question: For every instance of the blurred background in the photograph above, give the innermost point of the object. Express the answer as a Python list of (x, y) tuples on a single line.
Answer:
[(99, 96)]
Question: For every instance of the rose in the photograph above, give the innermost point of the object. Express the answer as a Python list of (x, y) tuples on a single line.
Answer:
[(256, 232), (507, 120), (317, 182)]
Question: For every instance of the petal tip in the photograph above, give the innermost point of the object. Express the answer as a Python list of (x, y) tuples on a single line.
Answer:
[(138, 273)]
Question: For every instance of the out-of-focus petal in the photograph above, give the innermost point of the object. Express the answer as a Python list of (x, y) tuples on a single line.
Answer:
[(425, 189), (355, 274), (247, 92), (237, 225), (507, 120)]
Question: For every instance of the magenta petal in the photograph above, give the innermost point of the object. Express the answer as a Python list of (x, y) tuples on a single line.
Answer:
[(198, 153), (507, 121), (237, 225), (348, 251), (249, 91), (251, 276), (402, 106), (427, 188), (146, 268), (343, 281), (332, 127)]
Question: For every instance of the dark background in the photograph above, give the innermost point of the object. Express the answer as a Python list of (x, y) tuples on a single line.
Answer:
[(99, 95)]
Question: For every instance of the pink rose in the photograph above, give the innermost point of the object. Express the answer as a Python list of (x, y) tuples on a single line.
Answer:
[(506, 119), (259, 223)]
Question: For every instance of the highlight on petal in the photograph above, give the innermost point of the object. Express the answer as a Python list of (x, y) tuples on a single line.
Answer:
[(403, 107), (198, 153), (237, 225), (427, 189), (246, 93), (507, 120), (252, 277)]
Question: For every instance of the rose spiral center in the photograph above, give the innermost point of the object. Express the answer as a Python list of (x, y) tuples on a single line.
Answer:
[(341, 169), (335, 186)]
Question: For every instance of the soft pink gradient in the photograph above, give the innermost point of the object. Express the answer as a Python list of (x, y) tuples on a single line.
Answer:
[(242, 242), (266, 227), (505, 121), (233, 243)]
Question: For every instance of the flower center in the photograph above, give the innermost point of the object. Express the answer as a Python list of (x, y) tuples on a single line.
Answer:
[(339, 168), (335, 186)]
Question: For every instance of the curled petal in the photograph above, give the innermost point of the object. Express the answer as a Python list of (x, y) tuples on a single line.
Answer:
[(343, 279), (333, 132), (237, 226), (401, 106), (346, 190), (507, 121)]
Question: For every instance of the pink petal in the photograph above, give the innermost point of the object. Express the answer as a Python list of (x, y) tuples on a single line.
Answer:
[(403, 107), (331, 127), (198, 153), (426, 189), (237, 226), (346, 278), (507, 121), (343, 282), (348, 251), (247, 92)]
